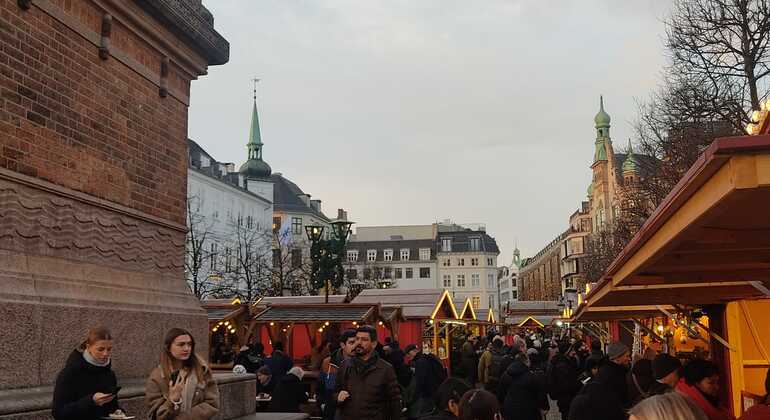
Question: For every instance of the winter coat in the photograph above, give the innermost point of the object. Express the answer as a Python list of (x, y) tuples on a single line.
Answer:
[(374, 392), (205, 402), (483, 369), (468, 360), (279, 363), (288, 395), (327, 380), (76, 385), (562, 380), (712, 411), (521, 393), (613, 376), (429, 373), (252, 361), (640, 381), (592, 403)]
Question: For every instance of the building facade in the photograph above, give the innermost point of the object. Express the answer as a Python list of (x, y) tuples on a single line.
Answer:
[(540, 276), (508, 281)]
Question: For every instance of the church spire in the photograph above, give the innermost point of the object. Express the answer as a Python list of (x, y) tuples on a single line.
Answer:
[(602, 123), (630, 165), (255, 167)]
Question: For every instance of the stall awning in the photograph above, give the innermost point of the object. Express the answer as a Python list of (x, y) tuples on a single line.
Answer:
[(318, 313), (708, 242)]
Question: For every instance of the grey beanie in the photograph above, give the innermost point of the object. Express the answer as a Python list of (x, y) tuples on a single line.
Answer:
[(616, 349)]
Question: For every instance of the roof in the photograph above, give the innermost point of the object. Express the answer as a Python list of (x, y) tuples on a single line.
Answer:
[(461, 241), (223, 313), (286, 197), (521, 320), (529, 307), (301, 300), (317, 313), (414, 245), (646, 165), (415, 303)]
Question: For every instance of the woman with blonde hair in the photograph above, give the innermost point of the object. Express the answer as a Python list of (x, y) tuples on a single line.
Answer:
[(86, 389), (669, 406), (182, 386)]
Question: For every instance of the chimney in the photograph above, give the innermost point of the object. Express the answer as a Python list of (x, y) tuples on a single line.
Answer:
[(342, 214)]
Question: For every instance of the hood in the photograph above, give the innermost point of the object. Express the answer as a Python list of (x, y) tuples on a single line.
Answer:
[(517, 368), (76, 361)]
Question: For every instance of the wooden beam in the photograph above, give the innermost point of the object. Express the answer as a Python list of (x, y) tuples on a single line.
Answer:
[(761, 287)]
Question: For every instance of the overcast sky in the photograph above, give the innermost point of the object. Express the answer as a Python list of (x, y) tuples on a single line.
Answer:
[(413, 111)]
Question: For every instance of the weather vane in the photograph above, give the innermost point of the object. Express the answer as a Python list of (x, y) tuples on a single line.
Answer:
[(255, 80)]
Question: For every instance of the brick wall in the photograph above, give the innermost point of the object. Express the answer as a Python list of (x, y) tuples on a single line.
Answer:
[(96, 126)]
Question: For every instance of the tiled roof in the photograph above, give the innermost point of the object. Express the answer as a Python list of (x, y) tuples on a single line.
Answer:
[(286, 197), (301, 300), (316, 313), (222, 313)]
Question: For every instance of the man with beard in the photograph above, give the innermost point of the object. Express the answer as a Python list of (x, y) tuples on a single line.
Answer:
[(366, 385), (327, 379)]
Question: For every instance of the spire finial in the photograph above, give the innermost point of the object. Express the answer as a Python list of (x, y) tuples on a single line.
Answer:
[(255, 80), (601, 102)]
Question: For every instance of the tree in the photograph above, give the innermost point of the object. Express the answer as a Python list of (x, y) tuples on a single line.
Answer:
[(721, 47), (372, 276), (247, 260), (290, 269), (197, 251)]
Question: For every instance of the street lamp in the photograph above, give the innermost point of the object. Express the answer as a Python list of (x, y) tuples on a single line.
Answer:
[(314, 232), (326, 254), (342, 229)]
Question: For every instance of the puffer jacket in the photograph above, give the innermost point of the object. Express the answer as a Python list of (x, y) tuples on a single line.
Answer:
[(205, 404)]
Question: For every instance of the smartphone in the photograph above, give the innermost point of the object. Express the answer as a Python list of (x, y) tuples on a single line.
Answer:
[(115, 392), (174, 376)]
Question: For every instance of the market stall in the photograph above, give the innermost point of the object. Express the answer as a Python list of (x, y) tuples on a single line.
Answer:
[(704, 252), (228, 323)]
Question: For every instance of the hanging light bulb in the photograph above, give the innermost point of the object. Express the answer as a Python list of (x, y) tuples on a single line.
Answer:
[(660, 328), (272, 323)]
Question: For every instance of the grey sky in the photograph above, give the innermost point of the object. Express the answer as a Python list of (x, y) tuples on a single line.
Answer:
[(412, 111)]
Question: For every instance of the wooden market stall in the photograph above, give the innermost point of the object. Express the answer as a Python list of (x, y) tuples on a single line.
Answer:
[(428, 317), (468, 315), (524, 316), (706, 249), (228, 324)]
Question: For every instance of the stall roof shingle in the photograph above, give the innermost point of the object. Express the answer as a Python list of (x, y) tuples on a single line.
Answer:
[(415, 303), (316, 313)]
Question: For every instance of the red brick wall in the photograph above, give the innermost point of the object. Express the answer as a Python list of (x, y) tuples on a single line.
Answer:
[(92, 125)]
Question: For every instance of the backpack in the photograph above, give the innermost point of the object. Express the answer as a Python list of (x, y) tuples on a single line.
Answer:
[(498, 365)]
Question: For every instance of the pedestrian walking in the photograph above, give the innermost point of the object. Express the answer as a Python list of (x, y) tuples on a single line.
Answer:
[(479, 404), (492, 364), (86, 388), (447, 399), (606, 395), (521, 393), (761, 410), (327, 378), (562, 379), (289, 393), (367, 387), (468, 359), (182, 386), (701, 385), (669, 406), (666, 370), (429, 373)]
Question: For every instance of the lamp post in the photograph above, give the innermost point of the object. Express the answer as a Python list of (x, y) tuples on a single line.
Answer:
[(326, 254)]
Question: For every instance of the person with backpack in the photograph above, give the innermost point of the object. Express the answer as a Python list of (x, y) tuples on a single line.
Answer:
[(521, 393), (429, 373), (492, 365), (562, 379)]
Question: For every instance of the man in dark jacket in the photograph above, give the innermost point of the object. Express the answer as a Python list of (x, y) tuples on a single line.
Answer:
[(522, 395), (447, 399), (605, 397), (562, 379), (468, 359), (429, 373), (278, 362), (366, 385), (289, 393), (666, 370)]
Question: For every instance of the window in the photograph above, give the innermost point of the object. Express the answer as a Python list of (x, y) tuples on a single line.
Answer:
[(491, 281), (446, 244), (491, 301), (352, 273), (461, 280), (447, 262), (475, 280), (476, 301), (461, 262), (276, 258), (387, 255), (424, 272), (490, 262), (408, 273), (296, 225), (475, 244), (399, 273), (353, 255), (371, 255), (405, 254), (514, 294), (367, 273), (388, 274), (424, 254), (213, 257), (447, 280), (249, 222), (228, 260), (474, 261), (296, 258), (276, 224)]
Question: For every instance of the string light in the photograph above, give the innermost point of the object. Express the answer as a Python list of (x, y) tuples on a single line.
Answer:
[(272, 324)]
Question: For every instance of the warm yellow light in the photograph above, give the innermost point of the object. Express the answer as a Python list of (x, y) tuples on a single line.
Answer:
[(220, 322), (431, 321), (379, 323), (272, 323), (660, 328), (213, 330), (326, 323), (320, 330), (755, 116), (355, 323), (227, 323)]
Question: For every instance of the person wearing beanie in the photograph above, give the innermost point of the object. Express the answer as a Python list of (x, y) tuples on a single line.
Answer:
[(666, 371)]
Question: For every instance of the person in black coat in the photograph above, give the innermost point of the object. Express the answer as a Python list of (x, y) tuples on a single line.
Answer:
[(429, 373), (86, 389), (606, 396), (563, 382), (521, 392), (289, 393), (447, 400), (278, 362)]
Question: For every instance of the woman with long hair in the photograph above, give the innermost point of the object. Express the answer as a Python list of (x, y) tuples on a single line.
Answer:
[(669, 406), (182, 386), (479, 404), (86, 389)]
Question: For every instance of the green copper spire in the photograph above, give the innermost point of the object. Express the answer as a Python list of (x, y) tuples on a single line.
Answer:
[(630, 164), (255, 167), (602, 122)]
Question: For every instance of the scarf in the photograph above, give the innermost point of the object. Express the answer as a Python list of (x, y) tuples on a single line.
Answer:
[(188, 393), (360, 365), (92, 361)]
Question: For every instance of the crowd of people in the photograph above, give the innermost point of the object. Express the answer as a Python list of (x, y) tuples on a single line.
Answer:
[(361, 378)]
